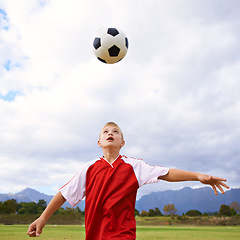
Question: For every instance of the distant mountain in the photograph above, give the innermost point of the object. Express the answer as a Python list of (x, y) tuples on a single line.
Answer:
[(26, 195), (31, 195), (202, 199)]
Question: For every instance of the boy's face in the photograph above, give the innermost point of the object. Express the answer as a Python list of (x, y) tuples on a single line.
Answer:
[(111, 136)]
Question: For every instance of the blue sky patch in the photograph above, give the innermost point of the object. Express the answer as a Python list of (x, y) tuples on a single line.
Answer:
[(3, 20), (7, 65), (43, 2), (3, 13), (10, 96)]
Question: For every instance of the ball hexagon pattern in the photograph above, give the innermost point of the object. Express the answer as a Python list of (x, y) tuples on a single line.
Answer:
[(110, 45)]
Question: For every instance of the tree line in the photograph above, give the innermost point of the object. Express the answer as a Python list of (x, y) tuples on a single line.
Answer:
[(170, 210), (12, 207)]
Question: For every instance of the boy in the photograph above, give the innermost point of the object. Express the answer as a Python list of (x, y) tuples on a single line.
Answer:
[(110, 185)]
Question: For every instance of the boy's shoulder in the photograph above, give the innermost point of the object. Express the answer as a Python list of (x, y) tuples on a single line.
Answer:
[(133, 161), (124, 157), (90, 163)]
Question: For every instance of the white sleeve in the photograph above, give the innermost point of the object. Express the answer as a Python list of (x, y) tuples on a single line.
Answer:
[(146, 173), (74, 190)]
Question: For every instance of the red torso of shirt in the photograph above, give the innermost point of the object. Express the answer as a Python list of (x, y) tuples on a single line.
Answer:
[(110, 201)]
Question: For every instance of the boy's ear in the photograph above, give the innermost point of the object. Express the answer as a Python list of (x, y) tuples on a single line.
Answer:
[(123, 143), (99, 143)]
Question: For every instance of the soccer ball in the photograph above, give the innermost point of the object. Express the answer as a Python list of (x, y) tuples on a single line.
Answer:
[(110, 45)]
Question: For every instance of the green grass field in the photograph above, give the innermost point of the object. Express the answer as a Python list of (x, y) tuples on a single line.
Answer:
[(74, 232)]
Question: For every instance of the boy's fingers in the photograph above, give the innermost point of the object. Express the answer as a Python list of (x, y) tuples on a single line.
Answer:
[(224, 185), (220, 188), (221, 179), (34, 231), (32, 234), (31, 231), (38, 232), (214, 189)]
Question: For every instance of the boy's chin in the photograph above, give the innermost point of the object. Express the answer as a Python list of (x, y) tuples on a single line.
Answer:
[(111, 145)]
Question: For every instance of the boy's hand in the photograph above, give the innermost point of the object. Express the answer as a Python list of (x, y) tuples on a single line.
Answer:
[(35, 229), (215, 182)]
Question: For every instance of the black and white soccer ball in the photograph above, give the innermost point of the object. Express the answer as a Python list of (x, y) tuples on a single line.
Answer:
[(110, 45)]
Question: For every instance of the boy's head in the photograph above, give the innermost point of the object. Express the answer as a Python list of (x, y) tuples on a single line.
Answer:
[(111, 134), (111, 124)]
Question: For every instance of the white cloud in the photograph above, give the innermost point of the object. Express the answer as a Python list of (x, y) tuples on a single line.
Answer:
[(175, 95)]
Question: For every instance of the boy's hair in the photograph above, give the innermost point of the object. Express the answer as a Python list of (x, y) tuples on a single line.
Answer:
[(113, 124)]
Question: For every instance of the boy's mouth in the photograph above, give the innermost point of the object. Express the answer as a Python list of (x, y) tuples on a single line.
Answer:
[(110, 138)]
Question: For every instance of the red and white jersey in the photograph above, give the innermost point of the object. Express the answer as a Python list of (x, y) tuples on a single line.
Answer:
[(110, 191)]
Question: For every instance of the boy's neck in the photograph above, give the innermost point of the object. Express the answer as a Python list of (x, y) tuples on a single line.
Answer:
[(110, 156)]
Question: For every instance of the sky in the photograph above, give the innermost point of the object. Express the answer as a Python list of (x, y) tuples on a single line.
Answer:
[(175, 95)]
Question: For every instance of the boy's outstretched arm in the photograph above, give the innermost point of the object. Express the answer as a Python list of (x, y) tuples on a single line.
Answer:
[(177, 175), (35, 229)]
